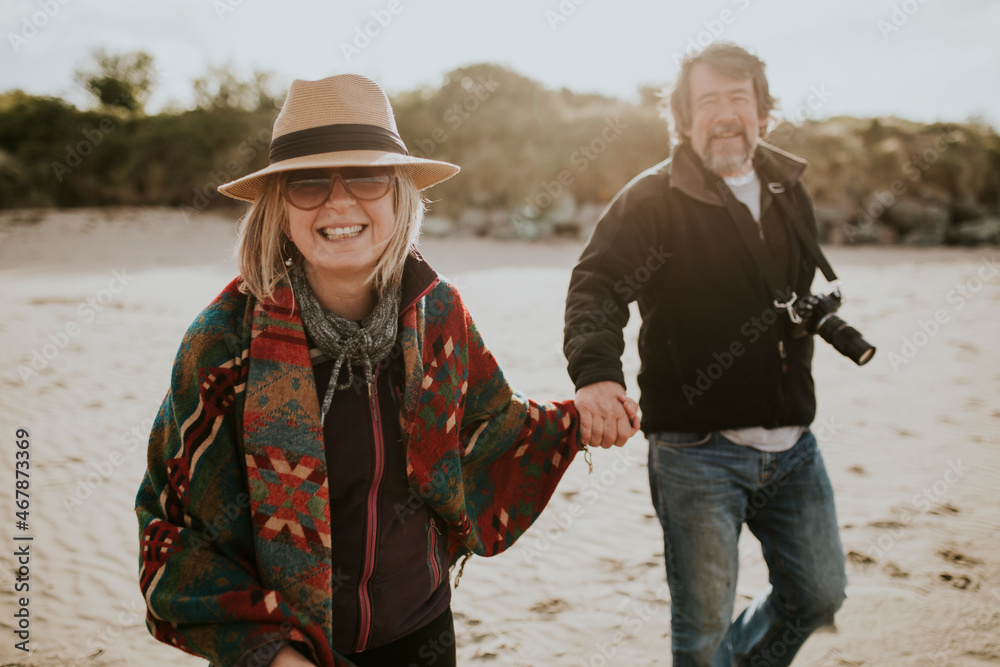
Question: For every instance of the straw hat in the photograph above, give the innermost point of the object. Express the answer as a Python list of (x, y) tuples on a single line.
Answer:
[(340, 121)]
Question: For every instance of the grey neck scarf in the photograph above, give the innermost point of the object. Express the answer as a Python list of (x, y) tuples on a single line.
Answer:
[(347, 342)]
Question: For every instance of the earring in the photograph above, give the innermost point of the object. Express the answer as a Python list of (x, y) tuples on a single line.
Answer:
[(289, 249)]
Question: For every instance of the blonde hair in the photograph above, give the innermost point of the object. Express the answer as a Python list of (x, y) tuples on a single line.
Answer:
[(264, 244)]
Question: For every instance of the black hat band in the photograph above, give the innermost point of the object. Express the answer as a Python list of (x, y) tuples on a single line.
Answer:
[(334, 138)]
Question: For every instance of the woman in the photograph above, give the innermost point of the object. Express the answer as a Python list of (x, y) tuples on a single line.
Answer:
[(336, 433)]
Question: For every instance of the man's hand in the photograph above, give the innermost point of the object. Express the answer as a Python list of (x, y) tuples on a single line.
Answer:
[(607, 416), (289, 657)]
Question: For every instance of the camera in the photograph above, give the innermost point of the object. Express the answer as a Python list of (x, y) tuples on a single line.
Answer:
[(818, 316)]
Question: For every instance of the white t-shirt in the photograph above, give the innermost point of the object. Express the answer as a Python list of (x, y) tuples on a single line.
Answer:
[(747, 190)]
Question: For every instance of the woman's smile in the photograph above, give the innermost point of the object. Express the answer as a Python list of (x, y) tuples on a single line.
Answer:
[(342, 233)]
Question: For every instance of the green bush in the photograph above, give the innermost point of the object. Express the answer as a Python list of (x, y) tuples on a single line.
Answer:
[(515, 140)]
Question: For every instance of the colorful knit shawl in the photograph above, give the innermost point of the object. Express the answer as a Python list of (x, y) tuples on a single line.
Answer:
[(233, 510)]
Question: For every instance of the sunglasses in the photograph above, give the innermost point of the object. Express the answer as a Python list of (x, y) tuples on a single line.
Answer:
[(307, 189)]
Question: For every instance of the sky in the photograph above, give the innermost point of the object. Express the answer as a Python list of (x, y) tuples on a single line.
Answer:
[(925, 60)]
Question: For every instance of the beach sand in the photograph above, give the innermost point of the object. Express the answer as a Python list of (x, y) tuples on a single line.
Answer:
[(96, 302)]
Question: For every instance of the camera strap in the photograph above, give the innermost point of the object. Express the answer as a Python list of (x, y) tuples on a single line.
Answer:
[(804, 231), (777, 283)]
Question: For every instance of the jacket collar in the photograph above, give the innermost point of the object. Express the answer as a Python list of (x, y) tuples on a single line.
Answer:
[(773, 165), (418, 279)]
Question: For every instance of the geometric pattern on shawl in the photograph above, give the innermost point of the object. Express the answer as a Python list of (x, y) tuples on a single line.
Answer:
[(285, 461), (489, 454), (196, 565), (484, 457)]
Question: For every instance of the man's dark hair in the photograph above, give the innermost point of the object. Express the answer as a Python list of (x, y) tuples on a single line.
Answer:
[(729, 59)]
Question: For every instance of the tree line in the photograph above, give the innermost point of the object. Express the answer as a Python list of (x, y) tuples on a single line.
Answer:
[(521, 145)]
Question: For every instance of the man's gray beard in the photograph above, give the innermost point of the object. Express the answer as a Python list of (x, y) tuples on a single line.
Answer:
[(726, 164)]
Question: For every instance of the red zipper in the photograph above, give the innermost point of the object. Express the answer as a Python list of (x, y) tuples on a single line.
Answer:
[(371, 536), (371, 532), (433, 559)]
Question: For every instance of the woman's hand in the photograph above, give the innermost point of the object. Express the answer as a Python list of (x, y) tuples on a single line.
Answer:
[(289, 657), (632, 410), (607, 416)]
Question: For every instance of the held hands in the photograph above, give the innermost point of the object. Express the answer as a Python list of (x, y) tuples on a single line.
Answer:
[(607, 416), (289, 657)]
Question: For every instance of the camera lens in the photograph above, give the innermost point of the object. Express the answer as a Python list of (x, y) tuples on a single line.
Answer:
[(846, 339)]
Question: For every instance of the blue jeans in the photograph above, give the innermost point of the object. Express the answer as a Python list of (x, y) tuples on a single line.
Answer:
[(704, 489)]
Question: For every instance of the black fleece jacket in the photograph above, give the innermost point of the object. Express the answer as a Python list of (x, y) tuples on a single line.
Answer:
[(715, 352)]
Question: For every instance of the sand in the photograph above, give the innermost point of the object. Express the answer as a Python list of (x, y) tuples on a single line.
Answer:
[(96, 301)]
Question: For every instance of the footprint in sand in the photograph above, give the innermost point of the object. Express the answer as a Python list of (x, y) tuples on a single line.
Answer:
[(859, 558), (959, 581), (895, 571), (550, 607), (958, 558)]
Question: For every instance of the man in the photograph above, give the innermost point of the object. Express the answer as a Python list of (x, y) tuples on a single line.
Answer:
[(727, 391)]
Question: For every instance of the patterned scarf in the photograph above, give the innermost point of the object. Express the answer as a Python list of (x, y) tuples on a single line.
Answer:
[(346, 341)]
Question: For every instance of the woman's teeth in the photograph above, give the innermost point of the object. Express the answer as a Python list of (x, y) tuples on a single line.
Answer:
[(341, 232)]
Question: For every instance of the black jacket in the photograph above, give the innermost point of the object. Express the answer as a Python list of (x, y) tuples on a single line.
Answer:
[(715, 353), (389, 549)]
